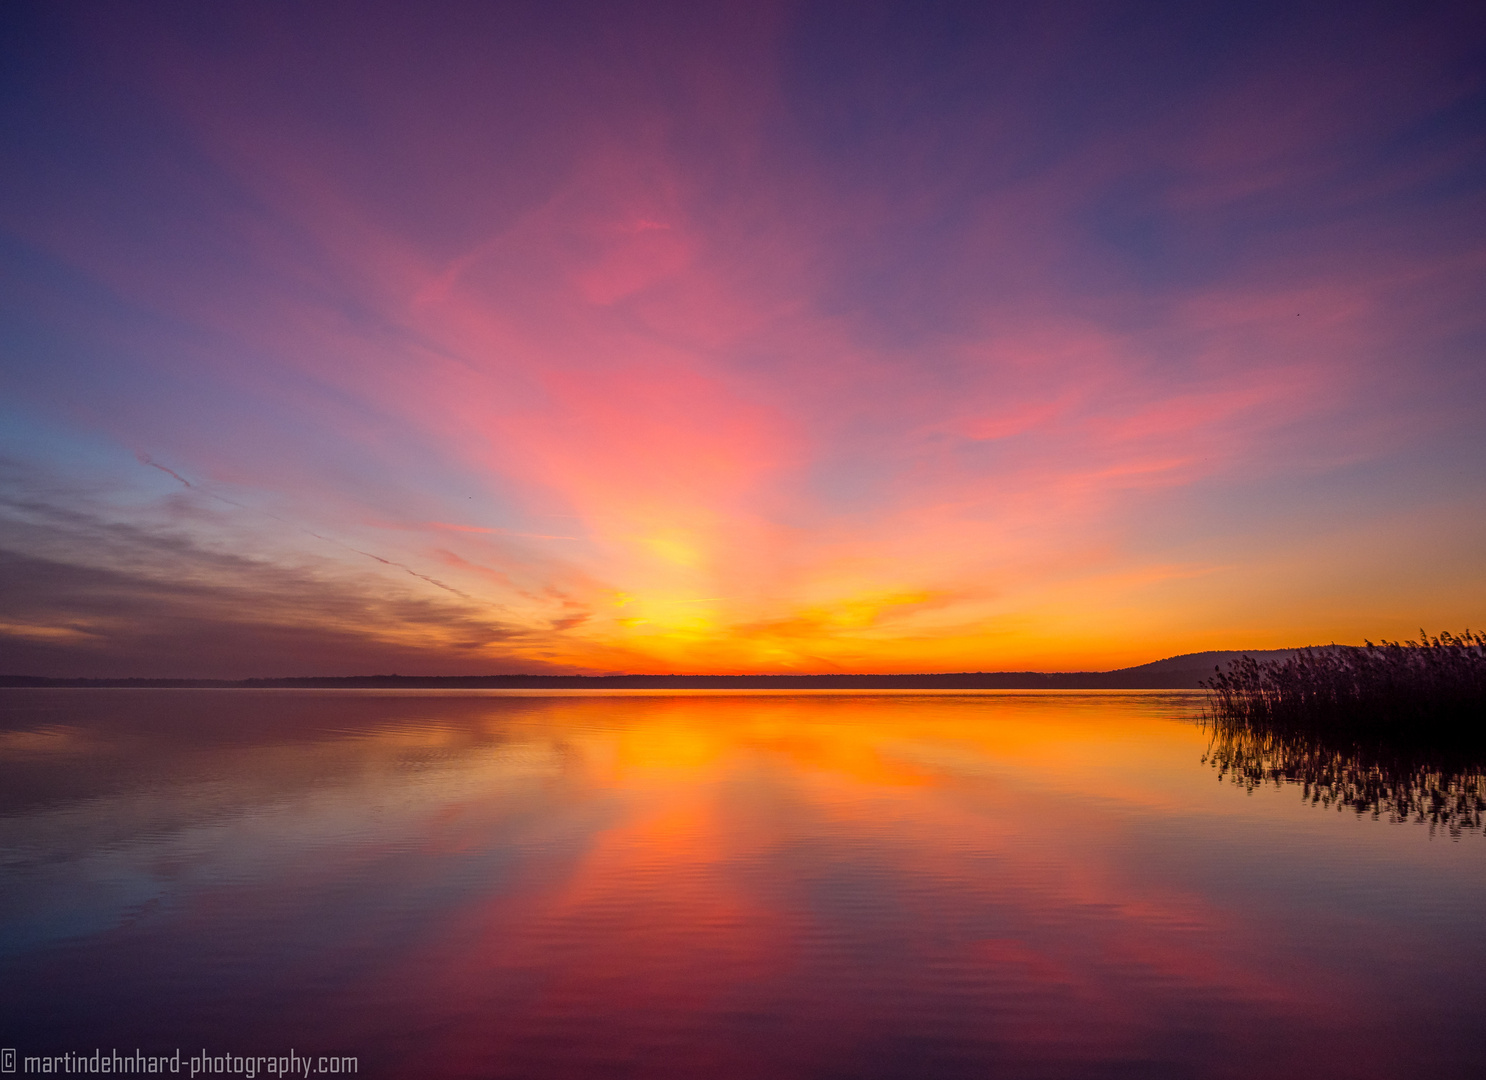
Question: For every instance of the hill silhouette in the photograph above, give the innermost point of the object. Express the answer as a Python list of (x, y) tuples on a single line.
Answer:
[(1173, 673)]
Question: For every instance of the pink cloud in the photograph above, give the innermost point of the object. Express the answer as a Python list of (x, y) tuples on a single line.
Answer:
[(648, 343)]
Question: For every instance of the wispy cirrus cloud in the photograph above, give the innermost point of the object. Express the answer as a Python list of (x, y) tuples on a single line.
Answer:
[(685, 345)]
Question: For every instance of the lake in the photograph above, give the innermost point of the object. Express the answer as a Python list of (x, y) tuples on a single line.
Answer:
[(712, 884)]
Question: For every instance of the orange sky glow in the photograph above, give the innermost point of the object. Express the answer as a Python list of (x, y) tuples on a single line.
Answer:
[(716, 344)]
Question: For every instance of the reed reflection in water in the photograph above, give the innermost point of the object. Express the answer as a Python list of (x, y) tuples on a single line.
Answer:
[(1442, 786), (731, 885)]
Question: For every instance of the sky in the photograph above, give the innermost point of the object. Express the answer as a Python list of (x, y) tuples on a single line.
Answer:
[(351, 338)]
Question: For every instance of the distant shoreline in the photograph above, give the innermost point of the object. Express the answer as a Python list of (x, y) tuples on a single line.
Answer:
[(1173, 673)]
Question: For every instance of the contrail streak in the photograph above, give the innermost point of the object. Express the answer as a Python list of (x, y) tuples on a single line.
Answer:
[(145, 459)]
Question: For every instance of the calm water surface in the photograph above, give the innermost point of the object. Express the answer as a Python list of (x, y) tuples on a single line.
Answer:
[(713, 885)]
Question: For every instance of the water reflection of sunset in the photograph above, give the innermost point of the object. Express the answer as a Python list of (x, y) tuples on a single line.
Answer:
[(730, 884)]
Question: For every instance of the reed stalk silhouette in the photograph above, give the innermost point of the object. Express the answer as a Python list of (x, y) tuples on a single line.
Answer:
[(1434, 682), (1396, 729)]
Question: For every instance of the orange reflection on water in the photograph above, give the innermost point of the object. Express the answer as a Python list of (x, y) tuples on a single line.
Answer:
[(777, 884), (834, 867)]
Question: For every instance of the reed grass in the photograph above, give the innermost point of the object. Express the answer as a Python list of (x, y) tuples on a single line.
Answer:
[(1431, 687), (1395, 729)]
